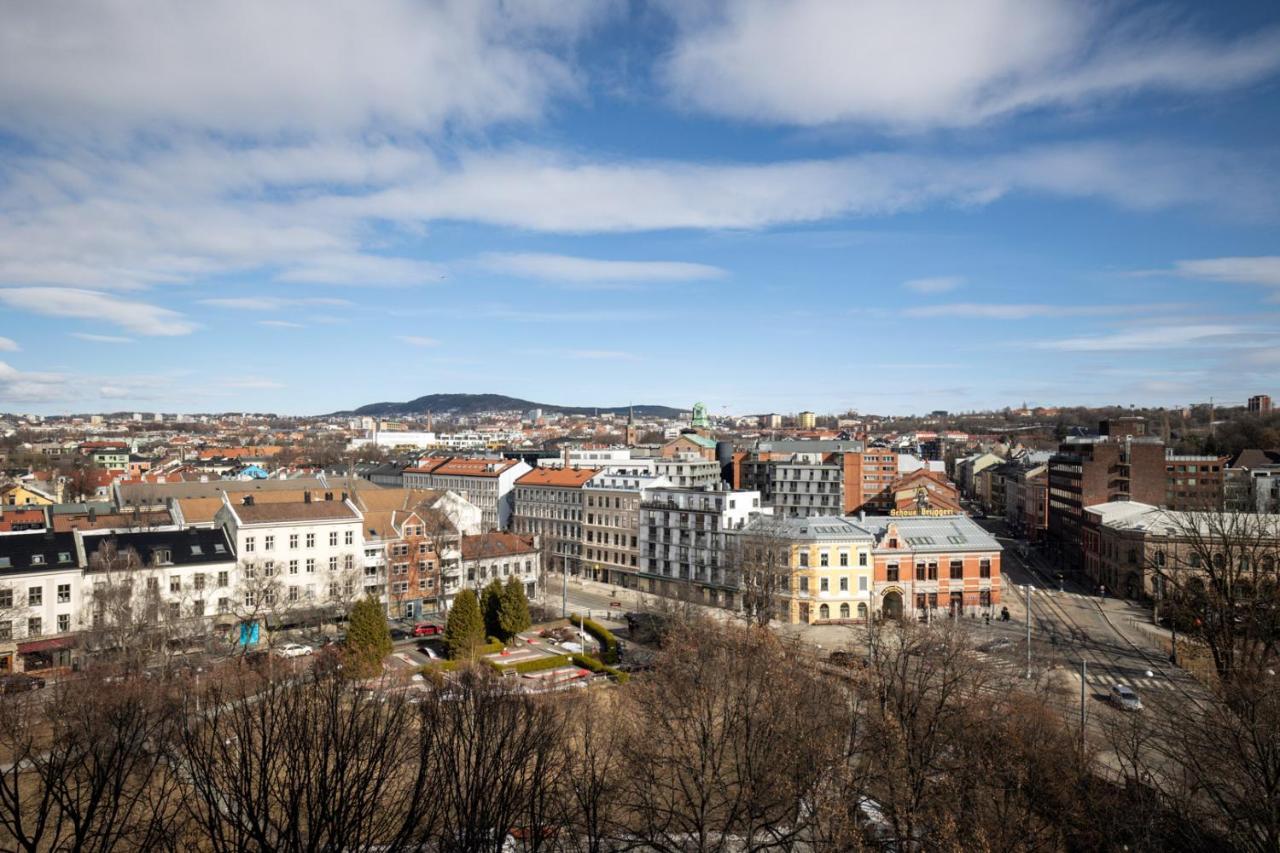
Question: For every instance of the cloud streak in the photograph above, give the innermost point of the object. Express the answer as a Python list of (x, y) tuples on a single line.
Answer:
[(139, 317), (594, 271)]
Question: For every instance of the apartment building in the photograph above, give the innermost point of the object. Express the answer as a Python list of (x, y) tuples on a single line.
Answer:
[(40, 600), (1251, 482), (487, 482), (611, 547), (1260, 404), (406, 532), (295, 556), (498, 555), (550, 503), (1026, 508), (689, 471), (684, 541), (931, 567), (830, 478), (831, 567), (1194, 482)]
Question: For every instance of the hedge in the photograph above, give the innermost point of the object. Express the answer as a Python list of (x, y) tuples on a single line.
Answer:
[(587, 662), (608, 642)]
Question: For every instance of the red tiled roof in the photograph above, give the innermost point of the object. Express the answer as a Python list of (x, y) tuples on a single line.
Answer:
[(567, 477), (495, 545)]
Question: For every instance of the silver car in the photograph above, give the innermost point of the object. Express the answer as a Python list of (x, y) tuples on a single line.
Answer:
[(1124, 698)]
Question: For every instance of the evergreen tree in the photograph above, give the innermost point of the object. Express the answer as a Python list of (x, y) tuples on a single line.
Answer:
[(513, 609), (368, 638), (464, 627), (490, 604)]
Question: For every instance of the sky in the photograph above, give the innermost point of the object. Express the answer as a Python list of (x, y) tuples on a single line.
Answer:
[(884, 206)]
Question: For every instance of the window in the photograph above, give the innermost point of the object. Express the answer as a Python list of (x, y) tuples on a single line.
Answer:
[(804, 584), (64, 623), (175, 609), (862, 558), (250, 570), (35, 596), (311, 540), (804, 559), (862, 584), (293, 593), (293, 567), (35, 626), (175, 583), (349, 538), (891, 572), (844, 610), (269, 568), (268, 543), (984, 568), (224, 605), (6, 598), (333, 564), (333, 538), (844, 558), (823, 585), (223, 580), (64, 593), (957, 570), (348, 562), (197, 581), (248, 544), (197, 607), (844, 584), (311, 566), (919, 571), (824, 559), (933, 571), (6, 630), (293, 540)]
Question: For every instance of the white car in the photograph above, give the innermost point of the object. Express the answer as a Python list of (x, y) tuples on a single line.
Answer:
[(294, 650), (1124, 698)]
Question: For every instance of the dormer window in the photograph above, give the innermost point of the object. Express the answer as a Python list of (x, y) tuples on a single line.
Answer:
[(37, 559), (163, 556), (64, 556)]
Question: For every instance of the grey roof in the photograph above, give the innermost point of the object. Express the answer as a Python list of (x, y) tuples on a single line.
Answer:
[(798, 445), (919, 534)]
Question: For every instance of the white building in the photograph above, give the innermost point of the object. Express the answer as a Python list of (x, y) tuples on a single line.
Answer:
[(487, 482), (684, 542), (611, 525)]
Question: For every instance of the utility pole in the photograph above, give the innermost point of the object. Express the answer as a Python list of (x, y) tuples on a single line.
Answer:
[(1084, 681), (564, 590), (1028, 630)]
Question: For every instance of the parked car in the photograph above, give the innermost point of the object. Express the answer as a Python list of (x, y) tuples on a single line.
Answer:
[(19, 682), (1124, 698), (401, 634), (294, 650), (425, 629)]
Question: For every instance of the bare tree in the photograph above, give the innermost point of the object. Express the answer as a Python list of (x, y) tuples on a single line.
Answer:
[(1218, 577), (87, 770), (760, 561)]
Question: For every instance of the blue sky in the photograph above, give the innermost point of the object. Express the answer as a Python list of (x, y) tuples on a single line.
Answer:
[(886, 206)]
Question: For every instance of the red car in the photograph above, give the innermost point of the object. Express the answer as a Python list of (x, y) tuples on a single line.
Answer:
[(425, 629)]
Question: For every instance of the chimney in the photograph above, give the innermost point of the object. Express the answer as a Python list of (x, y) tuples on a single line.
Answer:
[(862, 515), (93, 515)]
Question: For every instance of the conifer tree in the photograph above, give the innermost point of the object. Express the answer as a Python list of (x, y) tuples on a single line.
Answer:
[(513, 609), (490, 604), (464, 627), (368, 638)]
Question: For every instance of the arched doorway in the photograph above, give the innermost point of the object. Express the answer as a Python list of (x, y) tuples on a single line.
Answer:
[(844, 610), (862, 612), (824, 613), (892, 605)]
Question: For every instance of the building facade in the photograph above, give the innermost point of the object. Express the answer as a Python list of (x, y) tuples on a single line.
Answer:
[(550, 503), (931, 567), (489, 483)]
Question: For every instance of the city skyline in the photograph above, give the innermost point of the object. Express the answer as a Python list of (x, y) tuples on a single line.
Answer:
[(594, 204)]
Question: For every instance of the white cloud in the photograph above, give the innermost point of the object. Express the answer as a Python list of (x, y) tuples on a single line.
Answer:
[(139, 317), (418, 341), (1264, 269), (566, 268), (997, 311), (17, 386), (1151, 338), (280, 324), (101, 339), (937, 284), (9, 345), (243, 67), (939, 63)]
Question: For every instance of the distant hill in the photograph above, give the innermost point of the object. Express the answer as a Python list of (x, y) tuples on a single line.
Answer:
[(470, 404)]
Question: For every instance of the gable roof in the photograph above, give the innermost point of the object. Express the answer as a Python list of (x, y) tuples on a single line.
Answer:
[(571, 478), (268, 513), (495, 544)]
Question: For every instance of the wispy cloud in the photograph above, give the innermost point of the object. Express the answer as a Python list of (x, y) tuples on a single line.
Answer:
[(101, 339), (362, 269), (1151, 338), (9, 345), (418, 341), (139, 317), (594, 272), (937, 284), (999, 311), (17, 386), (280, 324), (925, 65), (1262, 269)]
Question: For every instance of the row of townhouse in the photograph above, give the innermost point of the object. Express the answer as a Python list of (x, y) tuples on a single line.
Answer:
[(255, 565)]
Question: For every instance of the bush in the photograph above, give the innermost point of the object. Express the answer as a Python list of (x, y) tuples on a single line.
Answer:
[(588, 662), (608, 642)]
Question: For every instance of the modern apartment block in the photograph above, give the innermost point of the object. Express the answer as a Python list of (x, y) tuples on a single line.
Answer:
[(1260, 404), (489, 483), (830, 478), (684, 541), (1252, 482), (550, 503), (611, 547)]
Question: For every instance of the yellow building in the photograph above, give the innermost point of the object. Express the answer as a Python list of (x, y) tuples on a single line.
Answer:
[(806, 420), (20, 495), (831, 567)]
